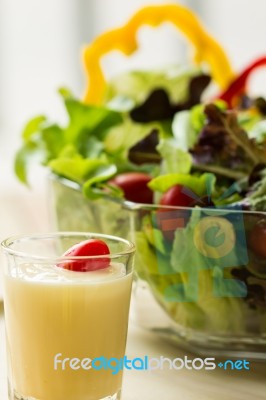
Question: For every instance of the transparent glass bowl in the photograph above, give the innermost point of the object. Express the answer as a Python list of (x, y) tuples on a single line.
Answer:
[(198, 281)]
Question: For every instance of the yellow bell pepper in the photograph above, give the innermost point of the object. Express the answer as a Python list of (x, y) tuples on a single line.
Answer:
[(124, 39)]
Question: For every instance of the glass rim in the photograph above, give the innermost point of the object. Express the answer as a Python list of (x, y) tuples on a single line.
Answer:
[(133, 206), (6, 243)]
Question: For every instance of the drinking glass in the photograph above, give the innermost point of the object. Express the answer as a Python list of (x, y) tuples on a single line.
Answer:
[(65, 329)]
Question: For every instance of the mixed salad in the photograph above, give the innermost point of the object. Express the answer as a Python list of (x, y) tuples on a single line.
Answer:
[(193, 168), (206, 263)]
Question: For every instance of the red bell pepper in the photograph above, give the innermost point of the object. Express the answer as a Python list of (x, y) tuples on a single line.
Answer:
[(238, 86)]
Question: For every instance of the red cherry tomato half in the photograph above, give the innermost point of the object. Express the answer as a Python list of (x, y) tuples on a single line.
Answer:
[(134, 186), (170, 220), (257, 239), (176, 196), (89, 248)]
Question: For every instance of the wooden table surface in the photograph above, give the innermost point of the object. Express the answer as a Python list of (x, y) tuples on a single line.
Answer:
[(23, 211)]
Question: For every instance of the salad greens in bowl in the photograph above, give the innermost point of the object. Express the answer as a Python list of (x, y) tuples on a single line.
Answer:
[(191, 193), (160, 160)]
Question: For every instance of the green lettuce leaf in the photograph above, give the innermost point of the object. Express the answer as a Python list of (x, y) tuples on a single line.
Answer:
[(150, 262), (258, 131), (32, 149), (199, 274), (92, 188), (257, 197), (122, 137), (48, 143), (188, 124), (183, 131), (132, 88), (76, 169), (91, 119), (200, 185), (175, 160), (33, 126)]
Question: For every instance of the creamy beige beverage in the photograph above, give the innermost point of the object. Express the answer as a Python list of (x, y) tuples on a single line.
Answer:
[(78, 315)]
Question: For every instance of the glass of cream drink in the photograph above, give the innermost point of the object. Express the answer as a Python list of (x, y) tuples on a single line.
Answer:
[(66, 316)]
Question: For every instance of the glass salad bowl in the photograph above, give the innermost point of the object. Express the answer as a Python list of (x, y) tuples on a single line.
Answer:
[(200, 273)]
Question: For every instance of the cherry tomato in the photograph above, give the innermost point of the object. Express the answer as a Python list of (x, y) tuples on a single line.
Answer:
[(176, 196), (134, 186), (257, 239), (170, 220), (91, 247)]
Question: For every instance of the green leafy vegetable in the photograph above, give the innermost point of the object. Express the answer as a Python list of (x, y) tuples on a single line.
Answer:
[(90, 149), (135, 86), (257, 197), (199, 185), (174, 159), (122, 137), (183, 130)]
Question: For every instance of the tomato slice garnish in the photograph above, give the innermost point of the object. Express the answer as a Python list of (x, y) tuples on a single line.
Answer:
[(87, 248)]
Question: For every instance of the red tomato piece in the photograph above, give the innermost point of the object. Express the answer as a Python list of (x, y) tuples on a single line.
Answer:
[(168, 221), (134, 186), (176, 196), (87, 248), (257, 239)]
